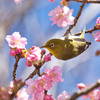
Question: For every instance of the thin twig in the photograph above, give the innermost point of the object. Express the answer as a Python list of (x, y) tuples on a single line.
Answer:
[(23, 84), (84, 91), (87, 1), (88, 31), (15, 67), (14, 92), (75, 20), (32, 74), (36, 71)]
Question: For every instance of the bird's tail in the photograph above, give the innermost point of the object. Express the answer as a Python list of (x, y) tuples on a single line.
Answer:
[(82, 33)]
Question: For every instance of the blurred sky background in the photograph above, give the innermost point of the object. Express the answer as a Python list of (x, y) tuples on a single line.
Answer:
[(31, 19)]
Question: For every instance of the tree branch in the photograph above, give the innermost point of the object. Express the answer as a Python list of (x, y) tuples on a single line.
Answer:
[(36, 71), (88, 31), (87, 1), (15, 67), (32, 74), (23, 84), (75, 20), (84, 91)]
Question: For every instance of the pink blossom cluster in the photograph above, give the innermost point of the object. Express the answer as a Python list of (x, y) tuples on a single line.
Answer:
[(62, 16), (22, 94), (93, 95), (38, 87), (15, 51), (98, 20), (97, 36), (4, 95), (34, 56), (98, 23), (51, 0), (47, 58), (17, 1), (16, 43), (63, 96)]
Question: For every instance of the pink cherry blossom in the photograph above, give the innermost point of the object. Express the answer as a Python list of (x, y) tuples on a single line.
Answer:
[(37, 96), (18, 51), (62, 16), (43, 83), (63, 96), (29, 63), (31, 89), (97, 36), (15, 40), (43, 52), (98, 21), (28, 58), (11, 85), (95, 94), (47, 57), (22, 95), (4, 94), (36, 54), (17, 1), (12, 53), (55, 74), (81, 86), (48, 97), (33, 56), (51, 0)]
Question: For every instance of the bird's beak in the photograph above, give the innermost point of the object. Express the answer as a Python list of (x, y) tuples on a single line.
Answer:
[(43, 46)]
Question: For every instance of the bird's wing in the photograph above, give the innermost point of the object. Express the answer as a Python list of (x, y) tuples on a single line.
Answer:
[(79, 39), (82, 33)]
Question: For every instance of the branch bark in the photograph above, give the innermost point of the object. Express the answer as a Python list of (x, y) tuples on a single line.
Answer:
[(87, 1), (15, 67), (75, 20), (84, 91), (88, 31), (23, 84)]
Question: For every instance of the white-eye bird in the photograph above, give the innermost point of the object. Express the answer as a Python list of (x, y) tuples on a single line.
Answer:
[(67, 47)]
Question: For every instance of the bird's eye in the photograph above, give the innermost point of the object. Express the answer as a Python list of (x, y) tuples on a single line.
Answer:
[(52, 45)]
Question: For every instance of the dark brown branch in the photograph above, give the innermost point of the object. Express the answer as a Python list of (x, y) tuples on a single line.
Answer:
[(75, 20), (84, 91), (14, 92), (23, 84), (32, 74), (87, 1), (15, 67), (36, 71), (88, 31)]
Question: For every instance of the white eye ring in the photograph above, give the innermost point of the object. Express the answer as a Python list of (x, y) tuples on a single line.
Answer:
[(52, 45)]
